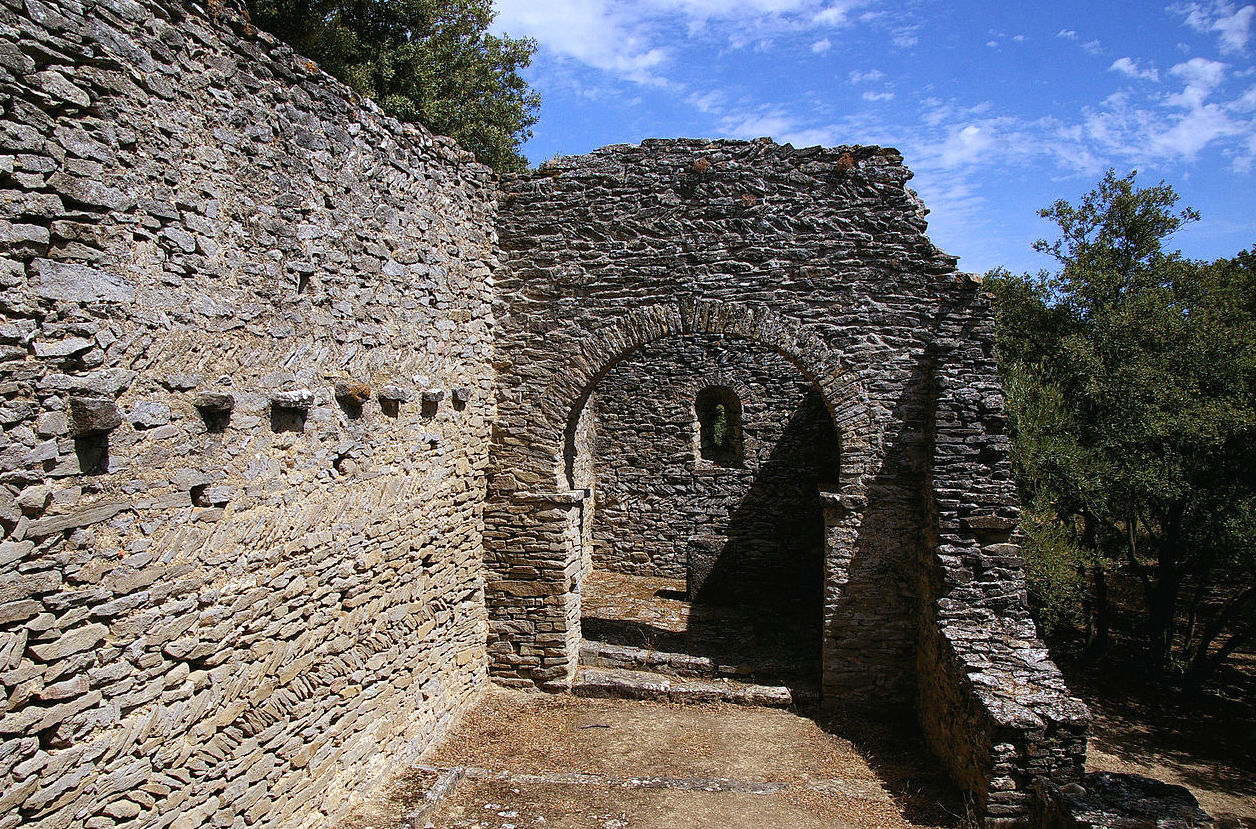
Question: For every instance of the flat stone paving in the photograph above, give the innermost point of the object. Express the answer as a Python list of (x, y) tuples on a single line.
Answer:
[(529, 760)]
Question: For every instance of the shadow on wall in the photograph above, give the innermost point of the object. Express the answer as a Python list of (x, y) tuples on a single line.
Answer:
[(874, 621), (760, 598), (771, 555)]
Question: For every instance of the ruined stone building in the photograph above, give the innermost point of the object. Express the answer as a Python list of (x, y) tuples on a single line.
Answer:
[(313, 428)]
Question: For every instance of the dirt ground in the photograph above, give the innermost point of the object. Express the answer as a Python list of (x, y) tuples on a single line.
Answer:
[(773, 648), (1207, 744), (529, 760)]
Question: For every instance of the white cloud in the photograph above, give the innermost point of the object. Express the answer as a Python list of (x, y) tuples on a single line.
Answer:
[(1232, 26), (595, 32), (1175, 125), (709, 102), (1093, 47), (816, 136), (1192, 133), (905, 38), (836, 14), (1245, 102), (878, 96), (964, 146), (866, 77), (635, 39), (1131, 68), (769, 122), (821, 46), (1201, 76)]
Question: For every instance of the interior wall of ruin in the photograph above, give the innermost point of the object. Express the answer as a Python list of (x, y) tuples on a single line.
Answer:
[(749, 526), (246, 366), (256, 343)]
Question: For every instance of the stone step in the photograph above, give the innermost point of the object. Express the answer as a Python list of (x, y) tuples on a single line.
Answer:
[(625, 684), (605, 655)]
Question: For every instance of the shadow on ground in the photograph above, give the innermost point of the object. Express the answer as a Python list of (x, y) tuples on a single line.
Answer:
[(1203, 741)]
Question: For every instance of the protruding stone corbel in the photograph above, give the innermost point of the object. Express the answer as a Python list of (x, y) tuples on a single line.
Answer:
[(91, 421), (842, 503), (288, 409), (569, 498), (391, 398), (352, 393), (91, 416), (215, 408), (431, 401)]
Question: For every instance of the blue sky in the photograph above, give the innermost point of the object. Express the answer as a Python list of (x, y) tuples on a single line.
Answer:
[(1000, 108)]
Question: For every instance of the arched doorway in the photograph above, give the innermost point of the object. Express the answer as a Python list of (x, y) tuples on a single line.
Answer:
[(539, 535), (706, 456)]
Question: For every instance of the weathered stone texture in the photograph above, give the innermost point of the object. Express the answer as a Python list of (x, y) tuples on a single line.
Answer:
[(206, 619), (820, 256), (1106, 800), (657, 498), (255, 541)]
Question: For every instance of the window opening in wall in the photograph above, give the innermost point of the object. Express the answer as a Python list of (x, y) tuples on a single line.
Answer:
[(719, 426)]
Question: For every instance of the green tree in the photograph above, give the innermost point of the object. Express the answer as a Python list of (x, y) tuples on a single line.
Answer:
[(430, 61), (1133, 405)]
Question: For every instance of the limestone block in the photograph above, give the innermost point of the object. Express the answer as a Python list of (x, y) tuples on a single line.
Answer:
[(149, 414), (80, 283), (296, 399), (93, 415), (396, 394)]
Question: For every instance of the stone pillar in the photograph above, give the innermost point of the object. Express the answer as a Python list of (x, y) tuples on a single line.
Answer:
[(533, 588), (840, 677)]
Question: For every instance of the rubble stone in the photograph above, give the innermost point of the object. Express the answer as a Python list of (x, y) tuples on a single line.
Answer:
[(94, 415)]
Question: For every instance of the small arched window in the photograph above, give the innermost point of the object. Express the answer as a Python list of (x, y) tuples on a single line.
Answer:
[(719, 426)]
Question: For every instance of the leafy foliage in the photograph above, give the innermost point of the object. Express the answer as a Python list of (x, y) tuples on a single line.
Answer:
[(719, 426), (430, 61), (1131, 377)]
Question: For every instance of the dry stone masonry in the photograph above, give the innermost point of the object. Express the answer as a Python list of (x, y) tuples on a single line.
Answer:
[(297, 454), (743, 526), (239, 564), (644, 256)]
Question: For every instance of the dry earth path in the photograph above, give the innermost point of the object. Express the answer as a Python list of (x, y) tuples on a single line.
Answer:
[(519, 761)]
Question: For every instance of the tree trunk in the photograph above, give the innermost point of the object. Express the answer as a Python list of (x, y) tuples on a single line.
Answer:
[(1163, 598), (1099, 581), (1204, 664), (1096, 609)]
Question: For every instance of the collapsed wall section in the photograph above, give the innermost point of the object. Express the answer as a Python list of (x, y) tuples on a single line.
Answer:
[(246, 368)]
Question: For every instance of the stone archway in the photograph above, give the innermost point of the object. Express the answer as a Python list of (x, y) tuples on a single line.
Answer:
[(569, 387), (714, 556), (535, 601), (822, 254)]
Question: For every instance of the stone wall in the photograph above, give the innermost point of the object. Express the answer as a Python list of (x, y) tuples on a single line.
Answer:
[(992, 704), (246, 366), (255, 541), (659, 502), (820, 256)]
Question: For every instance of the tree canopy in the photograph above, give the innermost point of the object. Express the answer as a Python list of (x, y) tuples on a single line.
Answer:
[(1131, 378), (430, 61)]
